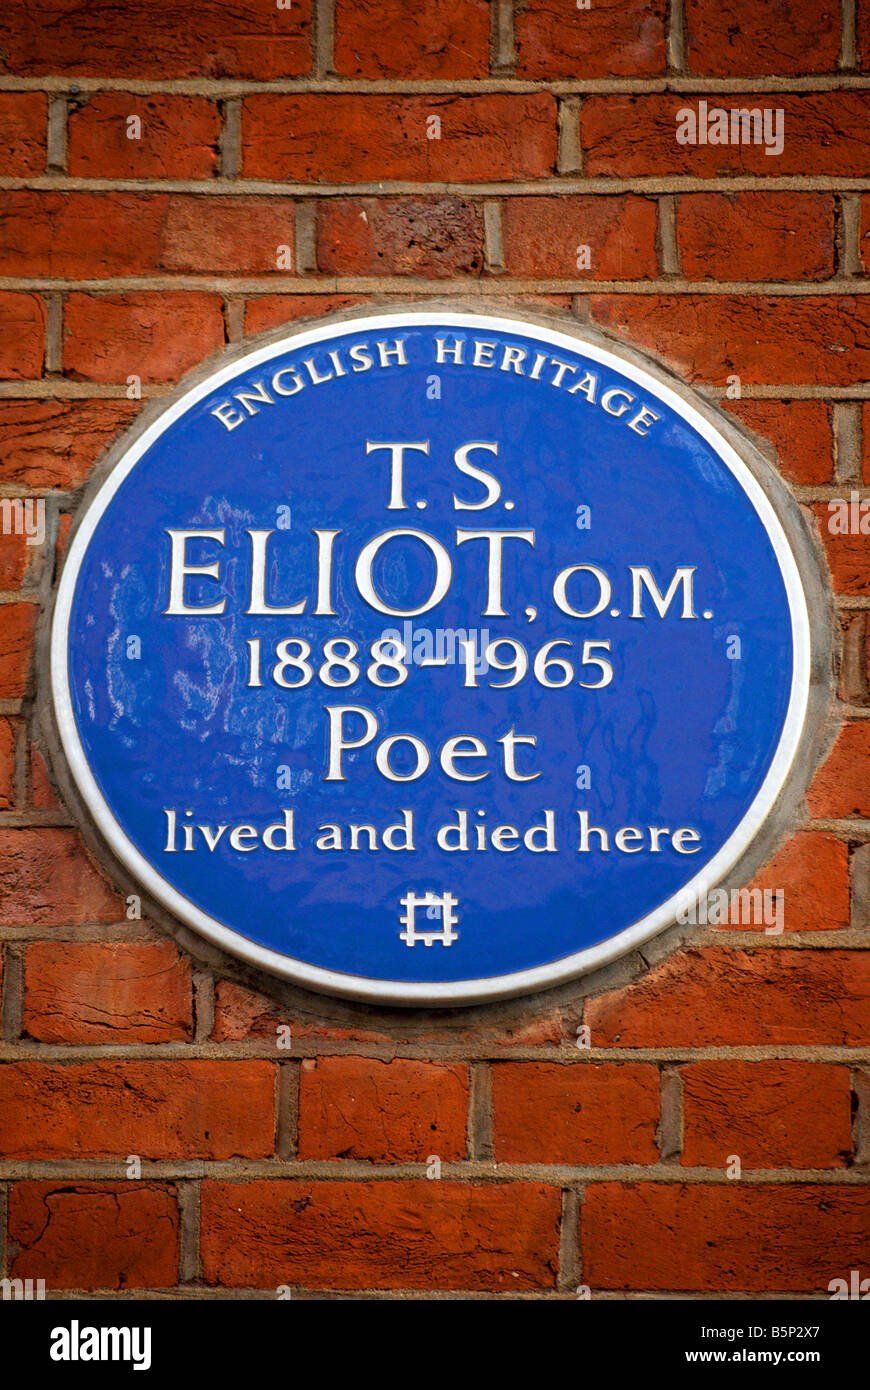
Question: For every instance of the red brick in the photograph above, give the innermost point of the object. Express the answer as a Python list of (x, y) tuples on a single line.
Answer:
[(800, 431), (15, 554), (389, 38), (865, 433), (82, 992), (157, 38), (862, 36), (23, 118), (728, 38), (55, 444), (232, 235), (812, 872), (725, 1238), (8, 743), (823, 340), (41, 790), (384, 1235), (848, 553), (178, 139), (610, 38), (197, 1109), (437, 237), (387, 1112), (864, 236), (22, 336), (628, 135), (756, 236), (769, 1114), (271, 310), (349, 138), (714, 997), (239, 1014), (841, 787), (542, 237), (46, 879), (156, 337), (576, 1113), (90, 235), (17, 621), (81, 1235)]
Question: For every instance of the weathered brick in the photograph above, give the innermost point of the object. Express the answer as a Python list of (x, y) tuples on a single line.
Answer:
[(22, 336), (90, 235), (848, 553), (353, 1107), (544, 1112), (8, 744), (350, 138), (160, 1109), (544, 237), (389, 38), (436, 237), (82, 1235), (714, 997), (157, 38), (841, 787), (15, 556), (385, 1235), (41, 790), (864, 236), (155, 336), (727, 38), (82, 992), (768, 1114), (768, 339), (23, 117), (862, 36), (811, 871), (17, 622), (47, 879), (239, 1014), (756, 236), (629, 135), (800, 431), (178, 137), (267, 311), (609, 38), (55, 444), (726, 1238)]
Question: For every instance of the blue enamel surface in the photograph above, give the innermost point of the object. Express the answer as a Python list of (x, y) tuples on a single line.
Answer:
[(682, 737)]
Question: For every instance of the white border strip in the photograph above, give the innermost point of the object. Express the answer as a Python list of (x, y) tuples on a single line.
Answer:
[(461, 991)]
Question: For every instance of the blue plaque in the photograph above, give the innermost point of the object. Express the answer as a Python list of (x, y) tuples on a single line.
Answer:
[(429, 658)]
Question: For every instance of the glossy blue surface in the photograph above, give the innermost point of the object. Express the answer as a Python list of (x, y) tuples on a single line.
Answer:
[(682, 737)]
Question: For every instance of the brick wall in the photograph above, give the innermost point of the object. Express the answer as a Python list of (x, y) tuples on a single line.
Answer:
[(307, 128)]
